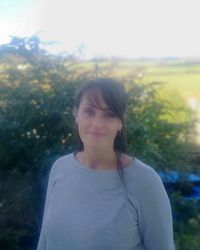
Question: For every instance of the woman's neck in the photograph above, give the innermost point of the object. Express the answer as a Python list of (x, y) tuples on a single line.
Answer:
[(102, 159)]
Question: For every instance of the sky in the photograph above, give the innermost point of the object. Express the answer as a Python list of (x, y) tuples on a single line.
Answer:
[(121, 28)]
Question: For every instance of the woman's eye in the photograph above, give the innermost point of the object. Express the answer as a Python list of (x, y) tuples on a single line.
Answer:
[(109, 115), (89, 111)]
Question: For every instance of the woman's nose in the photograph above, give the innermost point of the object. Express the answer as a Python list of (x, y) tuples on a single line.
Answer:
[(97, 121)]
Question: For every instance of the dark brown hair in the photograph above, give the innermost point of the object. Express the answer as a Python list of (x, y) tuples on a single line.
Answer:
[(114, 95)]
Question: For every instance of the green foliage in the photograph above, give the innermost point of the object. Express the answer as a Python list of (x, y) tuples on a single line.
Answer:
[(162, 143), (36, 127), (186, 222)]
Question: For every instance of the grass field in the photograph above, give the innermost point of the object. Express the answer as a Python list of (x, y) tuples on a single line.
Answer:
[(184, 80), (179, 76)]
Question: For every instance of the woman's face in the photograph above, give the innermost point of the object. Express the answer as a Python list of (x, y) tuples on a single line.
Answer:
[(97, 128)]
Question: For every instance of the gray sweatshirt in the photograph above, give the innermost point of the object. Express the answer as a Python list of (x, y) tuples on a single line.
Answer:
[(89, 209)]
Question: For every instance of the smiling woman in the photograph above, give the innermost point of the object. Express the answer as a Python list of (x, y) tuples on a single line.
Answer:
[(94, 117), (99, 114), (99, 197)]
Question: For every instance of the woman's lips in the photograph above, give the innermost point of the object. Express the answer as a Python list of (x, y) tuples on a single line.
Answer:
[(97, 134)]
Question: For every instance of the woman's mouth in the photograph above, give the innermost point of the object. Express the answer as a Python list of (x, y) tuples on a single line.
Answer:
[(97, 134)]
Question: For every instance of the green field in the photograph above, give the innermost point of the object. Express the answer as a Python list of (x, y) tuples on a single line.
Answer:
[(179, 76), (182, 79)]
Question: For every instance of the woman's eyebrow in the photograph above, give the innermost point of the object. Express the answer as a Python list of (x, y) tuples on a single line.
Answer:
[(92, 105), (89, 104)]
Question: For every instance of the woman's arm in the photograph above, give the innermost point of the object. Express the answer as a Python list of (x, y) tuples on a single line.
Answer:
[(156, 216), (42, 239)]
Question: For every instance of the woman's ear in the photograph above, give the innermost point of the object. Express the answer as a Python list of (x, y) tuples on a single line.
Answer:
[(120, 126)]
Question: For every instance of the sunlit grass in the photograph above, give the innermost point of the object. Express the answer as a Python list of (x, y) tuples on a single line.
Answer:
[(186, 84)]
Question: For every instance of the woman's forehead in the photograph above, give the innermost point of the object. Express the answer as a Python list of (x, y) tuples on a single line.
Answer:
[(94, 98)]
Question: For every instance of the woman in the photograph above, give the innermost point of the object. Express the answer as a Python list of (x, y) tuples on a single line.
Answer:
[(99, 197)]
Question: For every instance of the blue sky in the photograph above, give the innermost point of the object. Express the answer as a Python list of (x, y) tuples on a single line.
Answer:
[(12, 8), (130, 28)]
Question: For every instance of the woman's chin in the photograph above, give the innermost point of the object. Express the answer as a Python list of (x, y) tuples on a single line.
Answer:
[(95, 145)]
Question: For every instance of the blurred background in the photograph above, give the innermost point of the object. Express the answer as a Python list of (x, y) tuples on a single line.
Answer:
[(47, 49)]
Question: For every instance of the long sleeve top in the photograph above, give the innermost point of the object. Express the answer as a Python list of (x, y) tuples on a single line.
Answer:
[(89, 209)]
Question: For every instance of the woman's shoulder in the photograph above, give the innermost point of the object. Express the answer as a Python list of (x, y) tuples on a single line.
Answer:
[(143, 181), (60, 164), (142, 174), (63, 158)]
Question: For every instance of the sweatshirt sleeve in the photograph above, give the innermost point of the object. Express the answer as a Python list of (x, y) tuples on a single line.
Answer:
[(155, 215), (42, 245)]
